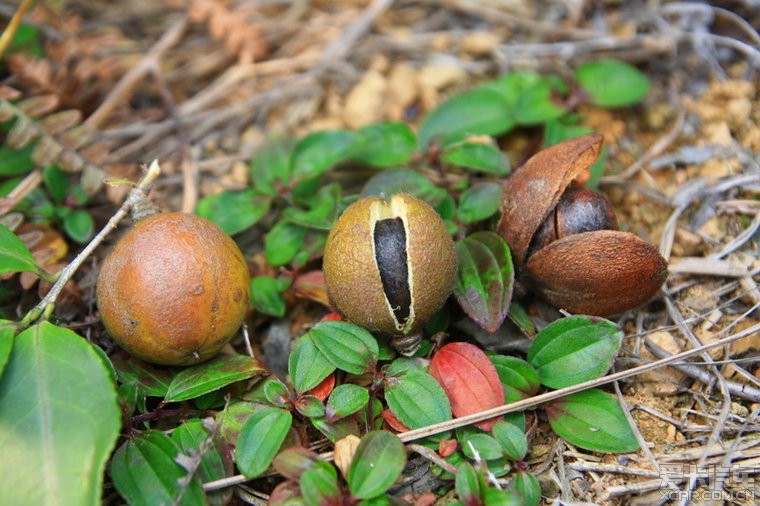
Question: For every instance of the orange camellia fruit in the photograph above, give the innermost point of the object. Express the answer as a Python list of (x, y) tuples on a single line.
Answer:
[(174, 289)]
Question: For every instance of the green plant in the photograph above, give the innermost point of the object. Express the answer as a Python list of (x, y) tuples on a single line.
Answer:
[(342, 380)]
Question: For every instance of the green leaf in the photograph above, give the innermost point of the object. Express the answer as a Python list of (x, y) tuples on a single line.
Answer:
[(528, 487), (337, 430), (232, 418), (145, 472), (234, 211), (612, 83), (307, 365), (479, 202), (519, 378), (79, 225), (512, 440), (319, 151), (469, 484), (59, 419), (593, 420), (14, 255), (520, 317), (56, 182), (153, 381), (480, 446), (192, 438), (266, 296), (209, 376), (485, 278), (319, 485), (536, 105), (323, 209), (393, 181), (6, 343), (347, 346), (283, 241), (496, 497), (574, 349), (310, 406), (417, 399), (478, 156), (386, 144), (345, 400), (478, 112), (377, 463), (270, 168), (16, 161), (260, 440)]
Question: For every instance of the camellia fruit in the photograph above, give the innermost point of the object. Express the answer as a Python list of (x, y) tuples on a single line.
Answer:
[(174, 290)]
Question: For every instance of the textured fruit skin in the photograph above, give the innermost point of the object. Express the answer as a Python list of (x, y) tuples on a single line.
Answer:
[(173, 290), (352, 275)]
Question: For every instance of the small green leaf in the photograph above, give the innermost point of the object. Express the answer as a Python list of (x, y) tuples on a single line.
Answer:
[(294, 461), (260, 440), (153, 381), (536, 104), (393, 181), (377, 463), (319, 151), (593, 420), (307, 365), (484, 279), (231, 419), (519, 378), (520, 317), (234, 211), (496, 497), (210, 376), (574, 349), (417, 399), (512, 440), (14, 256), (478, 156), (275, 391), (478, 112), (319, 485), (386, 144), (192, 438), (16, 161), (347, 346), (283, 242), (56, 182), (266, 296), (338, 429), (79, 225), (270, 168), (310, 406), (6, 343), (469, 484), (323, 209), (60, 419), (612, 83), (528, 487), (480, 446), (479, 202), (345, 400), (145, 472)]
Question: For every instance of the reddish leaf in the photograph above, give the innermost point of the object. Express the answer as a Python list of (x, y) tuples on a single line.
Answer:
[(447, 446), (469, 379), (311, 285), (332, 317), (393, 421), (322, 391)]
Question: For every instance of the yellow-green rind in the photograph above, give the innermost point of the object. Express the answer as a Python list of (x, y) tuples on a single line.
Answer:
[(174, 290)]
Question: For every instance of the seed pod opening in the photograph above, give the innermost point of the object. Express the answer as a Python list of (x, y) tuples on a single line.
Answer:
[(389, 264)]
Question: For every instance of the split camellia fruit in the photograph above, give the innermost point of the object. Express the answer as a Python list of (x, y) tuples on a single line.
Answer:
[(174, 290)]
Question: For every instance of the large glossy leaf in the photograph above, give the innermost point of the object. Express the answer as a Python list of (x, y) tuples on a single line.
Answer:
[(260, 440), (234, 211), (145, 473), (377, 463), (478, 112), (484, 279), (14, 256), (469, 380), (347, 346), (212, 375), (386, 144), (59, 419), (594, 420), (319, 151), (417, 399), (308, 366), (574, 349), (612, 83)]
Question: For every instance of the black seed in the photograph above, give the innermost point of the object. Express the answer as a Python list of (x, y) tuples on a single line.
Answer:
[(390, 253)]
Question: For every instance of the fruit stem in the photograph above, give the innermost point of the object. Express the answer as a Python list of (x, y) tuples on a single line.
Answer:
[(45, 307)]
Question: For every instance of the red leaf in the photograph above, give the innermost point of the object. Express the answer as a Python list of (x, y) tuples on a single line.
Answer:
[(332, 317), (394, 422), (323, 390), (469, 379), (311, 285), (447, 446)]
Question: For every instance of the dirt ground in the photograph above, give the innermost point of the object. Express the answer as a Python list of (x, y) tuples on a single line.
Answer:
[(200, 84)]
